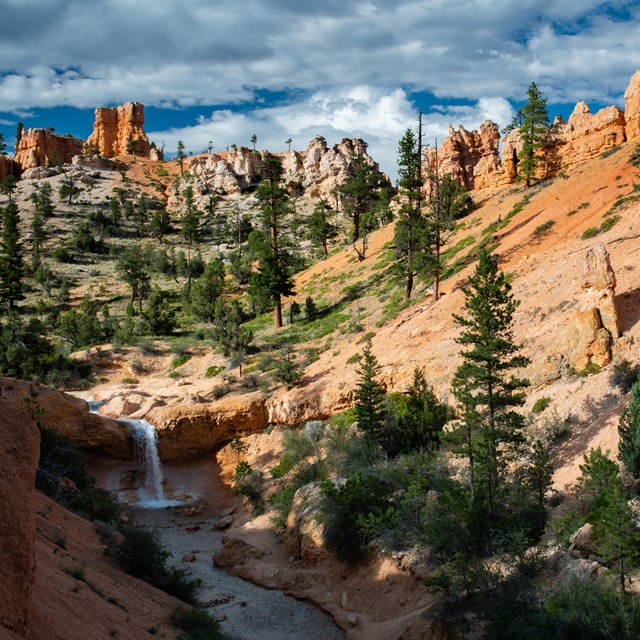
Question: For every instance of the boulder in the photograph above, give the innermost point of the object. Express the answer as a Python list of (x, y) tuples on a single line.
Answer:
[(70, 417), (115, 127), (43, 148), (39, 173), (19, 455), (188, 430), (584, 540), (303, 536), (236, 551)]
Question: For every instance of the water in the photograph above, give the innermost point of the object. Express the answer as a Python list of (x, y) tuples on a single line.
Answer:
[(151, 495)]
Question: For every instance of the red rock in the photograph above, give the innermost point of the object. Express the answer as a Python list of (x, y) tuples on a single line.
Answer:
[(19, 454), (632, 107), (42, 148), (7, 167), (114, 127)]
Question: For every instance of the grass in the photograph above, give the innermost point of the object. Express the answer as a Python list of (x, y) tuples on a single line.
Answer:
[(180, 360), (591, 232), (214, 370), (541, 404)]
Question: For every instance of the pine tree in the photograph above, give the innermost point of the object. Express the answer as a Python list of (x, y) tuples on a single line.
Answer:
[(482, 384), (410, 231), (11, 262), (540, 478), (159, 317), (207, 289), (134, 271), (272, 280), (359, 196), (629, 432), (369, 397), (233, 338), (68, 188), (181, 156), (38, 236), (320, 229), (532, 120)]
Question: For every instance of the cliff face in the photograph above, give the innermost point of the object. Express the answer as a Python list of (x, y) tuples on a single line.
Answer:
[(7, 167), (115, 127), (314, 172), (42, 148), (473, 157), (19, 453)]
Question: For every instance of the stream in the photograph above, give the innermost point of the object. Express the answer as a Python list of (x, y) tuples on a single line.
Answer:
[(245, 611)]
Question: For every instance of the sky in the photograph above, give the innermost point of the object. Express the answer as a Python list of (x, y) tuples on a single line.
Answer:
[(219, 71)]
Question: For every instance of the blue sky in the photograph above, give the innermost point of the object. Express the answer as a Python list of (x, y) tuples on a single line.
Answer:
[(222, 70)]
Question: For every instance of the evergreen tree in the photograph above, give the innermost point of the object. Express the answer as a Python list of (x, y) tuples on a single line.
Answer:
[(207, 289), (141, 215), (272, 280), (233, 338), (629, 432), (134, 271), (410, 231), (540, 478), (19, 132), (11, 263), (320, 229), (359, 196), (3, 144), (254, 139), (181, 156), (115, 214), (160, 224), (8, 185), (38, 236), (68, 188), (482, 384), (532, 121), (369, 397), (159, 317)]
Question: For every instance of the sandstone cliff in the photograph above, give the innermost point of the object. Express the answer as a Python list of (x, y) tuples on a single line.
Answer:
[(473, 157), (7, 167), (19, 453), (70, 417), (115, 127), (42, 148)]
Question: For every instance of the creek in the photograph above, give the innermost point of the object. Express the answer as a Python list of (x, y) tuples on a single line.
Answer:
[(246, 611)]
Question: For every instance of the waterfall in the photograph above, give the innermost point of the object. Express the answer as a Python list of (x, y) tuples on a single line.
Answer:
[(144, 435)]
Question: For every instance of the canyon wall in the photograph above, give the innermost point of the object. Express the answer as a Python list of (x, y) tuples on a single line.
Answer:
[(7, 167), (474, 159)]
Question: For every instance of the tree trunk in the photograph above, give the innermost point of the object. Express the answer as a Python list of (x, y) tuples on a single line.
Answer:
[(277, 313)]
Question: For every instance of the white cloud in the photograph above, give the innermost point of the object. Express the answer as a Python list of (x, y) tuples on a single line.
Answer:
[(378, 117)]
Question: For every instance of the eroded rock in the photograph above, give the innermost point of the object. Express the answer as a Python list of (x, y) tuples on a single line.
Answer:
[(43, 148)]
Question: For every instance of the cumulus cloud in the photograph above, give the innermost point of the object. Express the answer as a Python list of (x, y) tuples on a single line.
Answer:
[(378, 117)]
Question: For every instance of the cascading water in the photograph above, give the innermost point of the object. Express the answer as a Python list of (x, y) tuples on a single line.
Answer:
[(144, 435), (151, 494)]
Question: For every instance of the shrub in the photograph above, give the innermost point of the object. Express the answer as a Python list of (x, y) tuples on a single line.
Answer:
[(197, 623), (251, 485), (541, 404), (180, 360), (623, 375), (608, 223), (634, 159), (213, 371), (544, 227), (591, 232), (141, 555)]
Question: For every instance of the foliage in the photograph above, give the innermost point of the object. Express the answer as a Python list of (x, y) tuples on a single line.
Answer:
[(11, 262), (369, 397), (540, 404), (629, 432), (320, 228), (287, 369), (140, 554), (532, 120), (482, 384), (623, 375), (197, 624), (251, 486), (544, 227), (159, 316)]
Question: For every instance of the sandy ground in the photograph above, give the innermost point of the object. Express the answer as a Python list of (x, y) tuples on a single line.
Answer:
[(250, 612)]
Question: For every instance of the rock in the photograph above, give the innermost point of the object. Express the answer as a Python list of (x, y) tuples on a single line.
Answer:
[(584, 571), (19, 455), (303, 535), (70, 417), (94, 162), (352, 620), (43, 148), (118, 407), (236, 552), (186, 430), (115, 127), (8, 167), (584, 539), (597, 322), (222, 523), (39, 173), (188, 557), (632, 107), (221, 618)]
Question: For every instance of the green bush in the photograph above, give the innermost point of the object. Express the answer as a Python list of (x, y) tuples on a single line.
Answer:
[(541, 404), (251, 486), (213, 371), (140, 554), (591, 232), (544, 227), (623, 375), (197, 623), (180, 360)]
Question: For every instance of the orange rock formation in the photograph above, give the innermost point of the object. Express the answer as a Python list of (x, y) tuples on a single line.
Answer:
[(115, 127), (42, 147), (7, 167)]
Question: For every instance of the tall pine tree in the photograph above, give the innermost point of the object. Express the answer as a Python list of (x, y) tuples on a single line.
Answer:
[(11, 262), (629, 432), (369, 397), (483, 384)]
